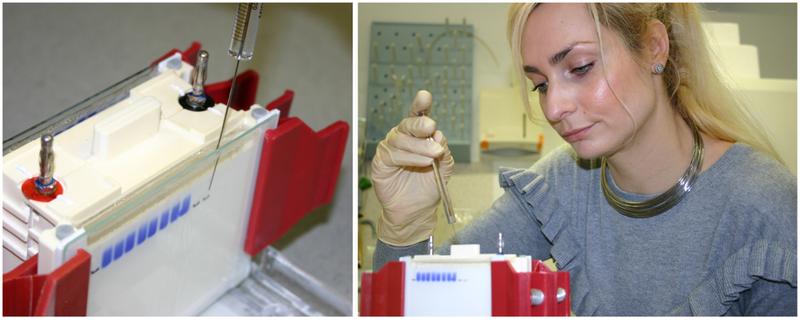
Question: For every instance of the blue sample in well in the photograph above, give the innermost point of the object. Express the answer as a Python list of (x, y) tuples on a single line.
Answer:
[(107, 257), (119, 249), (130, 242), (142, 234), (176, 212), (153, 227), (164, 219), (186, 203)]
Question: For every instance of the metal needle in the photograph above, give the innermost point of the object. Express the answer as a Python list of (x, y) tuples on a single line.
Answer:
[(224, 120), (241, 48)]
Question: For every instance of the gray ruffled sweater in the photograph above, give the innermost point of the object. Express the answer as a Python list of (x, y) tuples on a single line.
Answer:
[(728, 248)]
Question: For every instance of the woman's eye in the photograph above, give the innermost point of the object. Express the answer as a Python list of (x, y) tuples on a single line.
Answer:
[(583, 69), (541, 88)]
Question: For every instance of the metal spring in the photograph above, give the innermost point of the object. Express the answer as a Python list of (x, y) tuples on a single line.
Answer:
[(241, 21)]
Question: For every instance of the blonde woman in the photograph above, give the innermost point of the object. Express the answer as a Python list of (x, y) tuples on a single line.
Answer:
[(666, 201)]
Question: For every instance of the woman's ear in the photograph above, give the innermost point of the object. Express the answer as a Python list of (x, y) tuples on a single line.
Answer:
[(656, 42)]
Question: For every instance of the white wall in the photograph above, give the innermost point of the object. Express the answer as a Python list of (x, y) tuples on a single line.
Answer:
[(768, 27)]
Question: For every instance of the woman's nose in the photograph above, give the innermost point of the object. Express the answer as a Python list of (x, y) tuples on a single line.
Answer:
[(558, 104)]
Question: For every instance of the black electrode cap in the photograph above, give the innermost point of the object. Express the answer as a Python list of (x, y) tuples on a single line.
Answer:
[(189, 105)]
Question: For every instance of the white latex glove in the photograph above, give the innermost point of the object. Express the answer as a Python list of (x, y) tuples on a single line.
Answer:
[(404, 179)]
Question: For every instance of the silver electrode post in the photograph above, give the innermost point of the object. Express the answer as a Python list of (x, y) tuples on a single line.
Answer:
[(243, 40), (45, 184), (198, 96), (196, 99)]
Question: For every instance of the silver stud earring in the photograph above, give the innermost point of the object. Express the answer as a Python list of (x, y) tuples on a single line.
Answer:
[(658, 68)]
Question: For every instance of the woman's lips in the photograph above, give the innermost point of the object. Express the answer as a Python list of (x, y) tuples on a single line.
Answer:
[(577, 134)]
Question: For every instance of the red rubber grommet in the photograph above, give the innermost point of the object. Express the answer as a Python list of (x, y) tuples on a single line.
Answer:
[(30, 192)]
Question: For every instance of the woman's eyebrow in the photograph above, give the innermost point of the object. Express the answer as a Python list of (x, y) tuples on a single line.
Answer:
[(555, 59), (559, 56)]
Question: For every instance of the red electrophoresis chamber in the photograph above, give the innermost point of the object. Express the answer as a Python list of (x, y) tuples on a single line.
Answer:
[(382, 292), (297, 173)]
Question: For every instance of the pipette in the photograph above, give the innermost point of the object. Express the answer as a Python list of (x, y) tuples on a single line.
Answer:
[(243, 40), (447, 204)]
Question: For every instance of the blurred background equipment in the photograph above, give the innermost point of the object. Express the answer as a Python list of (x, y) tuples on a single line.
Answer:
[(405, 58)]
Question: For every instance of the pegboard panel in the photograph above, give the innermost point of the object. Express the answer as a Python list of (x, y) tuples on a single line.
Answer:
[(405, 58)]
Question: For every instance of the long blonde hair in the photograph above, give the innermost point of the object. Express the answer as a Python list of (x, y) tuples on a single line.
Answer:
[(694, 85)]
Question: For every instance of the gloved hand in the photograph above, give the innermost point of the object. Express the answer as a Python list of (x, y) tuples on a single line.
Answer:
[(404, 179)]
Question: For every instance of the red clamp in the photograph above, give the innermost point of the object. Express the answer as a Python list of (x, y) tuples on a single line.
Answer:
[(512, 291), (63, 292), (382, 292), (245, 95), (297, 173)]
